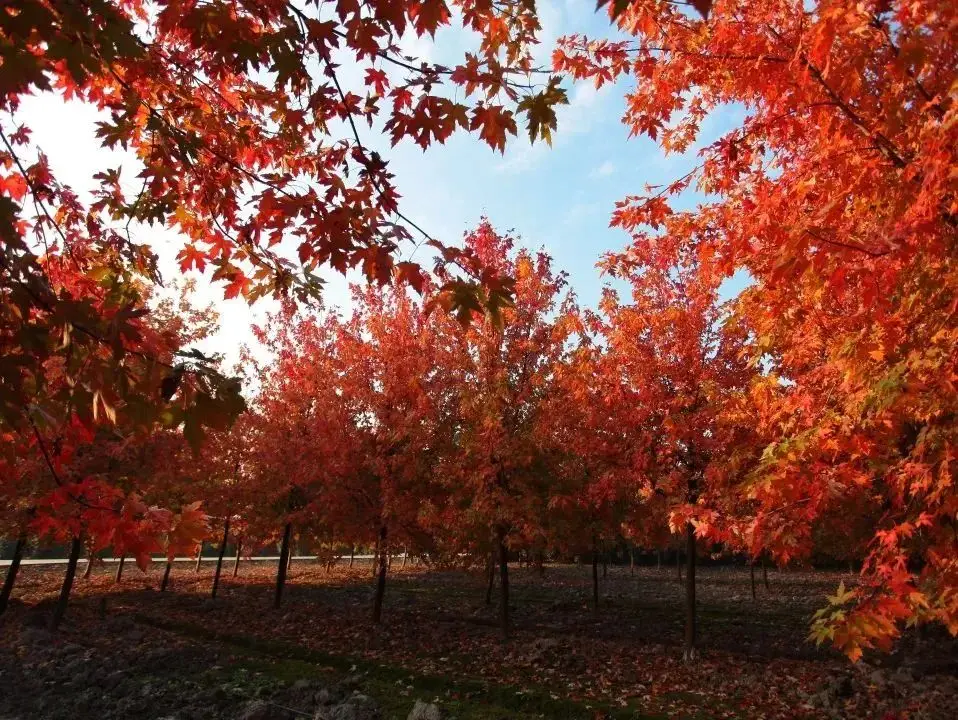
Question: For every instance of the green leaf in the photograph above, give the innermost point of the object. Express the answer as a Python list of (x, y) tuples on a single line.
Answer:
[(841, 595)]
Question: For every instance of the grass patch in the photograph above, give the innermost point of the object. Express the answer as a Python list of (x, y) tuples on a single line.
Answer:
[(396, 688)]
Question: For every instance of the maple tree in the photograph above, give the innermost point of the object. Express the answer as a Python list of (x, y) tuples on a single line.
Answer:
[(476, 411), (498, 474), (247, 134), (244, 135), (356, 399), (678, 362), (73, 442), (298, 414), (588, 451), (396, 381), (836, 193), (167, 473), (391, 413), (213, 477)]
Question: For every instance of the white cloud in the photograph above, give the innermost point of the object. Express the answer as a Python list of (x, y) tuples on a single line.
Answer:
[(603, 170), (582, 210), (552, 21), (420, 48), (576, 118)]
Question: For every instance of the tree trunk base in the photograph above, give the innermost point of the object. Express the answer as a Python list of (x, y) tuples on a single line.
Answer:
[(219, 559), (504, 584), (381, 578), (492, 578), (239, 546), (166, 576), (12, 571), (595, 581), (60, 609), (690, 608), (283, 566)]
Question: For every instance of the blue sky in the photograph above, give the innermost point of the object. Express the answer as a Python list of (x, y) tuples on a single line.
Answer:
[(559, 198), (562, 197)]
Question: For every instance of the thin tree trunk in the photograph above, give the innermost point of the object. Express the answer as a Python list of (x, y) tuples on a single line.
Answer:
[(541, 562), (764, 573), (751, 573), (239, 547), (12, 571), (689, 649), (59, 610), (289, 559), (199, 558), (166, 576), (492, 577), (504, 582), (119, 569), (283, 566), (605, 564), (219, 560), (89, 565), (376, 557), (381, 580), (405, 554), (595, 578), (631, 560), (352, 556)]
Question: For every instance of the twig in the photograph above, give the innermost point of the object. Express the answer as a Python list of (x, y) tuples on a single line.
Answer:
[(33, 190), (289, 709)]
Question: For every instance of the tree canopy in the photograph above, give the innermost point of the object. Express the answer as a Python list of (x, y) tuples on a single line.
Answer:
[(474, 407)]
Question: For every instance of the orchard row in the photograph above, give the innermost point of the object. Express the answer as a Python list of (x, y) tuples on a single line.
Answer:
[(476, 410)]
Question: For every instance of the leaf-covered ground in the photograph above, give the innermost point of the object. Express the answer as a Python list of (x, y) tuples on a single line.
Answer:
[(439, 642)]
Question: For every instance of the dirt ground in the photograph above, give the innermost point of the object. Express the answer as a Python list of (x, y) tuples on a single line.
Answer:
[(128, 651)]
